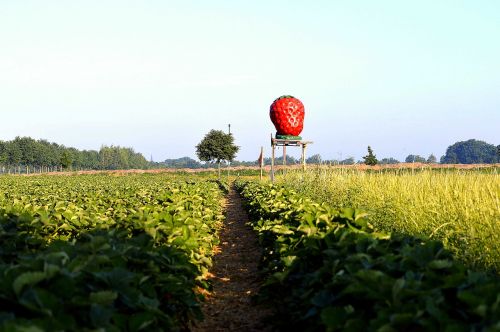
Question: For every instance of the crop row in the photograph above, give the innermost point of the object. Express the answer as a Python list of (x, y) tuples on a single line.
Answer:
[(329, 269), (102, 252)]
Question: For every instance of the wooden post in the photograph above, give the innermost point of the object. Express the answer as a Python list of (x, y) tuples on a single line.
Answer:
[(304, 156), (261, 162), (272, 161), (284, 155)]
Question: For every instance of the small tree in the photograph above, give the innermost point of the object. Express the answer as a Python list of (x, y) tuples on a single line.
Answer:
[(66, 159), (432, 159), (415, 158), (390, 160), (217, 146), (314, 159), (370, 159), (348, 161)]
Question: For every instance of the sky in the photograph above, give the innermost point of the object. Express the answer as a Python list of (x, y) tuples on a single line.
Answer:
[(405, 77)]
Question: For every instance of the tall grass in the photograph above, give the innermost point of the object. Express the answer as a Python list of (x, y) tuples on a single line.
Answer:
[(460, 208)]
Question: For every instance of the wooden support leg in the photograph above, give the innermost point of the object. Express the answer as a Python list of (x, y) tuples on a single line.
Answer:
[(261, 162), (272, 164), (284, 155), (304, 157)]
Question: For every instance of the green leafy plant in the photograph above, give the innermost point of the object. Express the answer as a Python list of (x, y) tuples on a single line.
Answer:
[(103, 252)]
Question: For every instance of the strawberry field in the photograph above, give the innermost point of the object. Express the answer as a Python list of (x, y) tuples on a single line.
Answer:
[(102, 252), (133, 253)]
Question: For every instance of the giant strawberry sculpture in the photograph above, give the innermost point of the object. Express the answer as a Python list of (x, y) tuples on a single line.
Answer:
[(287, 115)]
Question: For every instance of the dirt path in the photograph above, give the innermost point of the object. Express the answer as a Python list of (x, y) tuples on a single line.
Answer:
[(235, 277)]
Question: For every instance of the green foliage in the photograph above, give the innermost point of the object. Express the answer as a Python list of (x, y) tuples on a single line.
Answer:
[(184, 162), (116, 157), (105, 253), (290, 160), (29, 152), (348, 161), (331, 270), (314, 159), (370, 159), (66, 159), (386, 161), (431, 159), (414, 158), (217, 146), (471, 152)]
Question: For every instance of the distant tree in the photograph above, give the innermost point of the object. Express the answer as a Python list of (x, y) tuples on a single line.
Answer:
[(348, 161), (390, 160), (217, 146), (415, 158), (25, 151), (184, 162), (290, 160), (245, 163), (117, 157), (66, 159), (267, 160), (76, 158), (42, 153), (4, 157), (431, 159), (105, 157), (14, 153), (370, 159), (138, 161), (27, 147), (277, 161), (314, 159), (471, 152)]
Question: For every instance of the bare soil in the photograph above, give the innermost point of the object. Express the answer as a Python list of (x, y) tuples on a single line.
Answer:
[(235, 277)]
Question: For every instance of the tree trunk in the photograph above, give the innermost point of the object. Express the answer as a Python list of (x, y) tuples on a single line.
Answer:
[(219, 169)]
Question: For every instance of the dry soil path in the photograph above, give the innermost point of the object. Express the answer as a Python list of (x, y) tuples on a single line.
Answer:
[(235, 276)]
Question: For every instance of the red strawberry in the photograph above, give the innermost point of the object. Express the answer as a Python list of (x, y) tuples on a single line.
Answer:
[(287, 114)]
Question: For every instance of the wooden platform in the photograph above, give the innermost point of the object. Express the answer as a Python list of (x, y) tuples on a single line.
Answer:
[(284, 143), (288, 142)]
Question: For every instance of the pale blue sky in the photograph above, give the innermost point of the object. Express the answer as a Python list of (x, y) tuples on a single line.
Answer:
[(402, 76)]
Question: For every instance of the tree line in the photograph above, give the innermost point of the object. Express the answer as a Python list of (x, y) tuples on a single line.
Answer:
[(465, 152), (27, 155)]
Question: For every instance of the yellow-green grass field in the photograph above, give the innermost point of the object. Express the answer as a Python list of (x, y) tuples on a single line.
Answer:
[(459, 207)]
